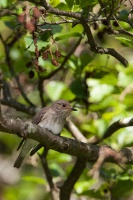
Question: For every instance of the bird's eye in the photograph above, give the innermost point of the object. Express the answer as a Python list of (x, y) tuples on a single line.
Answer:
[(64, 105)]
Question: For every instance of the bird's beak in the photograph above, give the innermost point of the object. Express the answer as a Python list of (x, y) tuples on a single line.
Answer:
[(74, 109)]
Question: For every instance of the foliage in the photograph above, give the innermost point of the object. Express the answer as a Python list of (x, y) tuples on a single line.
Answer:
[(46, 56)]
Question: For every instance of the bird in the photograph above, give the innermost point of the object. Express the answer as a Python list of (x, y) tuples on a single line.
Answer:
[(53, 119)]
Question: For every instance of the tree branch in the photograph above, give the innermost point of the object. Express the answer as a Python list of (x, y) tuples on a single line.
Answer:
[(7, 12), (40, 89), (19, 106), (56, 11), (118, 125), (57, 143), (96, 49), (74, 175), (48, 76), (54, 190), (73, 48), (75, 131), (8, 60), (93, 45), (9, 101)]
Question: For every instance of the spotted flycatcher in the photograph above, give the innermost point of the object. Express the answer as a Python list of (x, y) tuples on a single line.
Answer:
[(51, 118)]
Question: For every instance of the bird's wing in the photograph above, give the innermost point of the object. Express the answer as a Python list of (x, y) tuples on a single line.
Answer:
[(20, 144), (39, 115), (36, 119)]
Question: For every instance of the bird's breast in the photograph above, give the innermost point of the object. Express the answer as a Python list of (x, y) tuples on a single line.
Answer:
[(55, 126)]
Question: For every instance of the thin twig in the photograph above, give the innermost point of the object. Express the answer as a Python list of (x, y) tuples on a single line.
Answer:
[(1, 84), (9, 101), (65, 60), (40, 89), (48, 76), (13, 72), (54, 191), (126, 122), (91, 42), (75, 131), (19, 106), (104, 153)]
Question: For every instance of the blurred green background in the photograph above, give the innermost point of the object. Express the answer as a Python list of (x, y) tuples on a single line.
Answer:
[(98, 85)]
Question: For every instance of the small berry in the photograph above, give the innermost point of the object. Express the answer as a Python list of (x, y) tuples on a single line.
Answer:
[(100, 35), (33, 20), (55, 62), (29, 64), (24, 8), (57, 54), (40, 69), (95, 26), (30, 26), (115, 23), (36, 12), (45, 55), (43, 11), (21, 18), (105, 22), (31, 74)]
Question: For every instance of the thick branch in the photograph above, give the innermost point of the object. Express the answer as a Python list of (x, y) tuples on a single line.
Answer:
[(74, 175), (49, 140), (57, 143), (54, 190)]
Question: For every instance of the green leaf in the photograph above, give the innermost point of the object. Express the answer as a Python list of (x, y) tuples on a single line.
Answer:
[(104, 103), (67, 94), (82, 186), (66, 35), (54, 3), (33, 95), (125, 79), (99, 91), (34, 179), (63, 6), (119, 190), (124, 14), (109, 79), (82, 62), (54, 89), (11, 24), (87, 3), (30, 45), (70, 3), (125, 42), (54, 28), (78, 88), (3, 3), (56, 170)]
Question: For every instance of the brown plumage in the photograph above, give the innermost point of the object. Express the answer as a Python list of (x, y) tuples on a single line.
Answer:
[(52, 118)]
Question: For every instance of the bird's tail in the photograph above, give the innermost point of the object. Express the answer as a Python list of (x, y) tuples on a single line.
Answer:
[(27, 146), (19, 161)]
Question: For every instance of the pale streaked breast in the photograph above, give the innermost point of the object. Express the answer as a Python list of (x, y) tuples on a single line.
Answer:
[(52, 125)]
